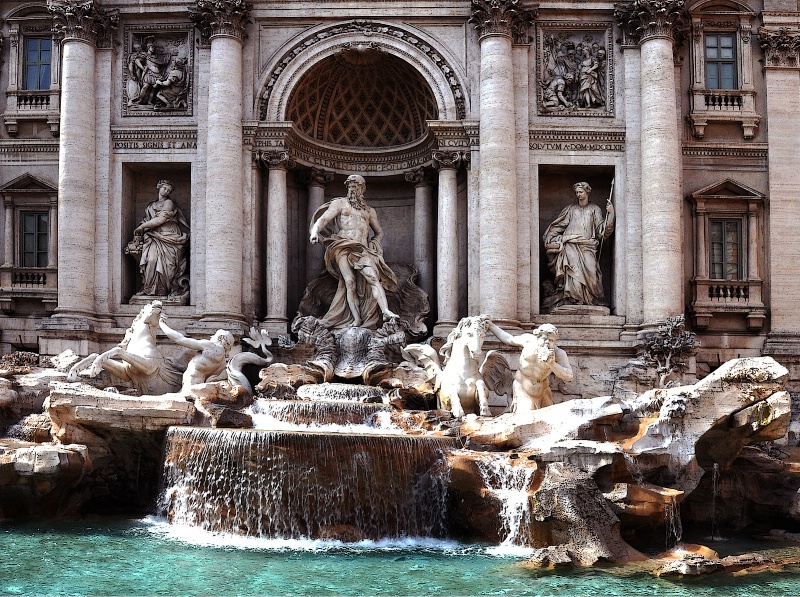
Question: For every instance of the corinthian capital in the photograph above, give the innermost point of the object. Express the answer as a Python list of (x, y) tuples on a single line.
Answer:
[(781, 47), (221, 17), (83, 20), (645, 19), (501, 17)]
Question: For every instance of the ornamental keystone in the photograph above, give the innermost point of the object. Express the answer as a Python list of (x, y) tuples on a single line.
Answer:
[(501, 17), (221, 17), (646, 19), (82, 20)]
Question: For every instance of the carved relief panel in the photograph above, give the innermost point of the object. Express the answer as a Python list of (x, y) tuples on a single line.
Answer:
[(575, 74), (157, 78)]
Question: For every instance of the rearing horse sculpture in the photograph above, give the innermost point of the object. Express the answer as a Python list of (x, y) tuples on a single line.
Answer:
[(462, 384), (136, 359)]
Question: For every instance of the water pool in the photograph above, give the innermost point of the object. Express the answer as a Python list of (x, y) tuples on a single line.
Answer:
[(149, 557)]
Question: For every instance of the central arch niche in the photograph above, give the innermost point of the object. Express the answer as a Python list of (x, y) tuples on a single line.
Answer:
[(362, 98)]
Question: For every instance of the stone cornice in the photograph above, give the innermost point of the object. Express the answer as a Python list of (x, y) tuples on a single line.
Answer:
[(227, 18), (781, 47), (502, 17), (82, 20), (642, 20)]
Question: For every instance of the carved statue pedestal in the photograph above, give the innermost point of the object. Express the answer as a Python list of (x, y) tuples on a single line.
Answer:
[(142, 299), (580, 310)]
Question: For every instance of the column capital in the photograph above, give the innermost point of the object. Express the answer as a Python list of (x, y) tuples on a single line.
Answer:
[(642, 20), (418, 177), (226, 18), (449, 159), (273, 160), (781, 47), (502, 17), (316, 177), (82, 20)]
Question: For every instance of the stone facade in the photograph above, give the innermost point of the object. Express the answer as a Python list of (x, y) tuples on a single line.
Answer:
[(470, 120)]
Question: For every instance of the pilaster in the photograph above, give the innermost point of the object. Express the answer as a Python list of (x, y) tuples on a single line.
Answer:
[(424, 228), (315, 179), (780, 41)]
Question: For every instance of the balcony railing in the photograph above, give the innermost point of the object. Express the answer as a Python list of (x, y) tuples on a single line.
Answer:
[(723, 100)]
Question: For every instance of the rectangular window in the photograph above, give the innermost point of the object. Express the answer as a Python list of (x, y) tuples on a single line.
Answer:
[(37, 63), (725, 255), (35, 239), (720, 61)]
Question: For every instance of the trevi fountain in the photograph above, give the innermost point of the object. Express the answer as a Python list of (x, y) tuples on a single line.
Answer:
[(356, 456)]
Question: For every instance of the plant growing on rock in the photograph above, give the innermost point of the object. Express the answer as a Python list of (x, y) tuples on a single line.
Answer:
[(668, 347)]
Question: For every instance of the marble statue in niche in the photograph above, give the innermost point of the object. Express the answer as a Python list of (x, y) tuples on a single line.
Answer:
[(575, 73), (354, 259), (157, 73), (573, 243), (160, 245)]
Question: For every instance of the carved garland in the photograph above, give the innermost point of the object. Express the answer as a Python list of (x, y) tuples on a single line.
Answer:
[(369, 28), (641, 20), (82, 20), (781, 47)]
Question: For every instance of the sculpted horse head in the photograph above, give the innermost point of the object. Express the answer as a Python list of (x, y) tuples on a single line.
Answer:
[(467, 335)]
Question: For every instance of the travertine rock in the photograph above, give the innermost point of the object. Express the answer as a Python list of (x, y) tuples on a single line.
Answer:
[(691, 564)]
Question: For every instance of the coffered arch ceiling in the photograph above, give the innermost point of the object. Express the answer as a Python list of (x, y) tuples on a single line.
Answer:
[(362, 97)]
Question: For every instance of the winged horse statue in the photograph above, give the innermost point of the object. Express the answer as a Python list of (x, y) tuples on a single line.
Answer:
[(463, 380)]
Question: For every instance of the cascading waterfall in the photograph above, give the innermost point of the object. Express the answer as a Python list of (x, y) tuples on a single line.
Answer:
[(304, 412), (305, 485), (715, 483), (511, 484), (673, 524)]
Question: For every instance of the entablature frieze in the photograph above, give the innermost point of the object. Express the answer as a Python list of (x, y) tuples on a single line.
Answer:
[(576, 140), (750, 156), (153, 139)]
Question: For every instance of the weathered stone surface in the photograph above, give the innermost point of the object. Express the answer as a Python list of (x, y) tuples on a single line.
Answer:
[(216, 415), (549, 557), (642, 504), (77, 407), (35, 478), (690, 564)]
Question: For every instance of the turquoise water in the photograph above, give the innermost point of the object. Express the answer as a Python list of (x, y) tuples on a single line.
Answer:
[(148, 557)]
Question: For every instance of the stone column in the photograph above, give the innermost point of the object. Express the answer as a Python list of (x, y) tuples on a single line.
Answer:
[(78, 25), (447, 163), (8, 256), (316, 180), (424, 226), (779, 40), (277, 239), (654, 23), (223, 22), (497, 21)]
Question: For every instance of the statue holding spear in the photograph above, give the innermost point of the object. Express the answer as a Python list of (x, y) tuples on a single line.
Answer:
[(573, 243)]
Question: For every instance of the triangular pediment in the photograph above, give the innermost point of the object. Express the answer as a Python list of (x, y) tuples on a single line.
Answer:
[(28, 182), (727, 188)]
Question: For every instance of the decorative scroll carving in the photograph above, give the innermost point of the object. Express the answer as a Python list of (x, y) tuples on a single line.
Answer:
[(157, 77), (367, 28), (645, 19), (276, 159), (780, 47), (221, 17), (419, 177), (83, 20), (317, 177), (449, 159), (577, 72), (501, 17)]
